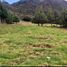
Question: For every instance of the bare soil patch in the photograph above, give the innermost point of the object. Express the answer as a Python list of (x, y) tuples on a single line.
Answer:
[(43, 46), (40, 46), (25, 23)]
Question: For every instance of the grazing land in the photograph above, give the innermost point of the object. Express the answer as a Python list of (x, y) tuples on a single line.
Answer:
[(32, 45)]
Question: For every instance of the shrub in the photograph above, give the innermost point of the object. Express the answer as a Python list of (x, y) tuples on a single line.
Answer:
[(27, 18), (15, 19)]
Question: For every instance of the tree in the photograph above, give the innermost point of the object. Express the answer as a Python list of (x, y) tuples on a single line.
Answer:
[(64, 16), (54, 17), (40, 17), (57, 17), (50, 15), (6, 16), (3, 13)]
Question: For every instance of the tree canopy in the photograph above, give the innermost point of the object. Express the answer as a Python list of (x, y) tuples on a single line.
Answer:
[(6, 16)]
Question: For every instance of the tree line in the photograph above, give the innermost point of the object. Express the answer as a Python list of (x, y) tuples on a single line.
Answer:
[(41, 16), (50, 17)]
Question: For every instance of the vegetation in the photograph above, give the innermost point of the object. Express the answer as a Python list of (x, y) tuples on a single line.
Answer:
[(64, 14), (29, 7), (15, 19), (7, 17), (27, 18), (3, 14), (32, 45), (50, 17), (40, 17)]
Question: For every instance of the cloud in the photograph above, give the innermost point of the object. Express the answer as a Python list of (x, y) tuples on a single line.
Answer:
[(65, 0)]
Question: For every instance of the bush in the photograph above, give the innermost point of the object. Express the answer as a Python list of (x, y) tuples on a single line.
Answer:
[(15, 19), (27, 18)]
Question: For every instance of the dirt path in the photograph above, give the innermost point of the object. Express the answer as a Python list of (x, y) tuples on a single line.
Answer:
[(25, 23)]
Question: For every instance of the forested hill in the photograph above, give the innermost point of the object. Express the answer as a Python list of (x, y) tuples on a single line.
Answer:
[(28, 7)]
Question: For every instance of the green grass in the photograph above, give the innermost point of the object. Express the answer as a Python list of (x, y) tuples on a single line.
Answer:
[(32, 45)]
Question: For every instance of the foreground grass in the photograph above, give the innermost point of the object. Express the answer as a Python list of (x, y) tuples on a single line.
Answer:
[(32, 45)]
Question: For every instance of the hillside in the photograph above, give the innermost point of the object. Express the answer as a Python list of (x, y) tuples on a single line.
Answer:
[(28, 7)]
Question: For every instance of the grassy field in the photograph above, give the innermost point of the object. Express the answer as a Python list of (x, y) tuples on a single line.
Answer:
[(32, 45)]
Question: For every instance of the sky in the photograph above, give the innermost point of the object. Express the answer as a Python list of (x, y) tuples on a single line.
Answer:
[(11, 1)]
